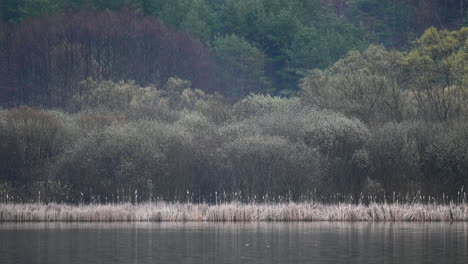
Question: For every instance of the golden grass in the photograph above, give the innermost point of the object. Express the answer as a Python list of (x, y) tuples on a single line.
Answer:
[(162, 211)]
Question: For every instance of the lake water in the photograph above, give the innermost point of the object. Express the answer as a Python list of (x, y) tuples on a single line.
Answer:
[(319, 242)]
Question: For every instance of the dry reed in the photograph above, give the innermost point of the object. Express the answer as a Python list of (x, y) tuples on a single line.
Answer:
[(162, 211)]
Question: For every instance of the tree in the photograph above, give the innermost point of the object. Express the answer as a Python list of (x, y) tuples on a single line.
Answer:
[(195, 25), (114, 162), (32, 139), (262, 166), (320, 47), (396, 156), (31, 8), (172, 12), (366, 85), (9, 10), (437, 71), (387, 21), (242, 66), (50, 56)]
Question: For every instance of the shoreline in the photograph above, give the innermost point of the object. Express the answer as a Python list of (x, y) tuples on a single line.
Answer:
[(232, 212)]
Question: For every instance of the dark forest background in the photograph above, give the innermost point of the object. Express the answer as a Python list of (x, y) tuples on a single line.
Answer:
[(252, 100)]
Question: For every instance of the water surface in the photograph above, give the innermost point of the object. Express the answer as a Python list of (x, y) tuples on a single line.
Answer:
[(318, 242)]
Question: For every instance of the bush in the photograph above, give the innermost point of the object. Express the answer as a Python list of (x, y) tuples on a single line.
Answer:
[(112, 162), (123, 100), (257, 104), (130, 143), (395, 156), (31, 140), (259, 166), (91, 120), (340, 140), (365, 85), (446, 159), (437, 75)]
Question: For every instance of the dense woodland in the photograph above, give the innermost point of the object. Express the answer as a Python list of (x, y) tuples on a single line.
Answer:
[(251, 100)]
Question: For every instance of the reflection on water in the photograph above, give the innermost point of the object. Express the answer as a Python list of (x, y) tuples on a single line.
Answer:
[(318, 242)]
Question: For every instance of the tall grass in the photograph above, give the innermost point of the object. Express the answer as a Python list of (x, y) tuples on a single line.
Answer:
[(162, 211)]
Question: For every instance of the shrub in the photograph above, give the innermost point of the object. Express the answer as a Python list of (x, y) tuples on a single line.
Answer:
[(436, 73), (34, 134), (365, 85), (124, 99), (259, 166), (257, 104), (446, 159), (31, 140), (114, 161), (396, 157), (91, 120)]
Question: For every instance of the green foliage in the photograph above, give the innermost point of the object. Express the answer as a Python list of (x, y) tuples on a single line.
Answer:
[(357, 125), (388, 21), (131, 143), (289, 36), (118, 158), (437, 73), (110, 4), (125, 97), (366, 85), (243, 66), (294, 36), (377, 85), (172, 12), (195, 24), (396, 23), (270, 26), (320, 47), (9, 10), (17, 10), (257, 104)]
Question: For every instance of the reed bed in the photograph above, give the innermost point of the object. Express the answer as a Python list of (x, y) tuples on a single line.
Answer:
[(162, 211)]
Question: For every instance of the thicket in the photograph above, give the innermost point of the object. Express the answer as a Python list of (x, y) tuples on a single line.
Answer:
[(264, 148), (366, 126), (287, 38), (44, 59), (373, 123), (259, 46)]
